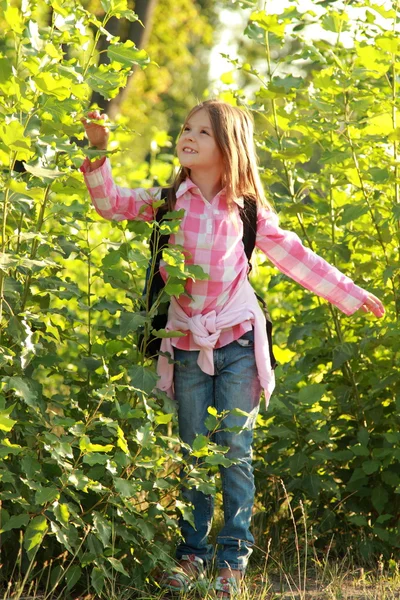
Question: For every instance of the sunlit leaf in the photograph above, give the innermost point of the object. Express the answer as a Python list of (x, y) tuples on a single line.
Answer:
[(127, 54)]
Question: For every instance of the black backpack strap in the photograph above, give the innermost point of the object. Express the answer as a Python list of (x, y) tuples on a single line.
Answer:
[(248, 214)]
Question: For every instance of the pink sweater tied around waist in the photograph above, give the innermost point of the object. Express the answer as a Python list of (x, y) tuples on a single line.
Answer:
[(206, 329)]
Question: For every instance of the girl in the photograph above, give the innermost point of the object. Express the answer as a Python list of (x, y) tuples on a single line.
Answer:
[(223, 361)]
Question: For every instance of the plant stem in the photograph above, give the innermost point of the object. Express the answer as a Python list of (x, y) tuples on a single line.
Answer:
[(89, 291), (35, 244), (13, 157), (107, 17), (395, 145)]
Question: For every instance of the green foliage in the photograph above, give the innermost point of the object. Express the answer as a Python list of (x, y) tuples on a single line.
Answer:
[(88, 452), (327, 107), (89, 460)]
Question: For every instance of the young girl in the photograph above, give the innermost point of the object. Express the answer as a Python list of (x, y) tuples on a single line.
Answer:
[(223, 361)]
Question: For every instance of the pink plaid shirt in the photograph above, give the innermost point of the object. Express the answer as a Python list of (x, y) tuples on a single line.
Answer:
[(212, 238)]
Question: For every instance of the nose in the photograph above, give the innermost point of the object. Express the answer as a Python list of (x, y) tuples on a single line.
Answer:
[(188, 135)]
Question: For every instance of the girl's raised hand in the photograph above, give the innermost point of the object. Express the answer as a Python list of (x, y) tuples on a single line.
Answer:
[(374, 305), (97, 133)]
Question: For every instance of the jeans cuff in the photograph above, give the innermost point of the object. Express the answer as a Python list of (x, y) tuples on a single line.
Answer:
[(233, 566)]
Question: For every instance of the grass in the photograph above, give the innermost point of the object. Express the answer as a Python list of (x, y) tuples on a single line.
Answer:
[(277, 571), (267, 580)]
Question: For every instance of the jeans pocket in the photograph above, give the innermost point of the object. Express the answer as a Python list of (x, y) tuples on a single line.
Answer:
[(247, 339)]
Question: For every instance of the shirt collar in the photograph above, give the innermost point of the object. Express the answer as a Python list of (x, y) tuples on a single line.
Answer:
[(188, 184)]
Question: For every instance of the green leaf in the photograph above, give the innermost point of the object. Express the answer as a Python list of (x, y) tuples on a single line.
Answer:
[(105, 80), (268, 22), (6, 424), (144, 435), (125, 487), (142, 378), (43, 173), (85, 445), (384, 518), (390, 478), (22, 389), (46, 495), (14, 19), (97, 579), (297, 462), (372, 58), (363, 436), (343, 353), (54, 85), (379, 498), (238, 412), (360, 450), (211, 422), (7, 448), (13, 136), (311, 394), (126, 14), (34, 534), (132, 322), (174, 287), (186, 512), (118, 566), (61, 512), (371, 466), (200, 442), (5, 70), (351, 212), (95, 458), (72, 576), (31, 466), (358, 520), (334, 21), (196, 272), (16, 522), (217, 460), (63, 537), (379, 175), (127, 54), (162, 419), (102, 528), (114, 5), (382, 534), (172, 333)]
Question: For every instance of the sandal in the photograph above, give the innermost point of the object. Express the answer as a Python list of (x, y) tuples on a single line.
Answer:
[(227, 585), (184, 581)]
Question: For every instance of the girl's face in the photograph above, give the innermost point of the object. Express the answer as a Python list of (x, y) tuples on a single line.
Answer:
[(197, 148)]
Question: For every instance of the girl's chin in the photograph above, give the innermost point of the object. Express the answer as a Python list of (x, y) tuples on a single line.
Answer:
[(187, 162)]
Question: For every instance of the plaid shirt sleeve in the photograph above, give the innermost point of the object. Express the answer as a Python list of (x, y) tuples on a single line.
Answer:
[(287, 253), (115, 202)]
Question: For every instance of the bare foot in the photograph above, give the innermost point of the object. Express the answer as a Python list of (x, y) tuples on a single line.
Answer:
[(226, 572)]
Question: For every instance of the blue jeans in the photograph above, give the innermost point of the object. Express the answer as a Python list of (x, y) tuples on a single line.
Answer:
[(235, 384)]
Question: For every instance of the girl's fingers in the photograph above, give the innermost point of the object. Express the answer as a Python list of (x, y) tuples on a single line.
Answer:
[(374, 305)]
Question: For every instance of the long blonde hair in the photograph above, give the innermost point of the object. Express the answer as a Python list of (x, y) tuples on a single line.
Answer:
[(233, 129)]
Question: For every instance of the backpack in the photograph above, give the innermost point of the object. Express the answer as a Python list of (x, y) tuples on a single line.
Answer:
[(248, 214)]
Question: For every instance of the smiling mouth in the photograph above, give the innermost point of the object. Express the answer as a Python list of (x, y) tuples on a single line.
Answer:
[(189, 150)]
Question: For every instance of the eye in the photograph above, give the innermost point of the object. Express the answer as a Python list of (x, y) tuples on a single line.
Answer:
[(186, 128), (204, 131)]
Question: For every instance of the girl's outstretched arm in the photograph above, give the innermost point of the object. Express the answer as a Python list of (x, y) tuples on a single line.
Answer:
[(286, 251), (110, 200)]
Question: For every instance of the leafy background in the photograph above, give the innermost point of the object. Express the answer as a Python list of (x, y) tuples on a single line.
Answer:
[(89, 455)]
